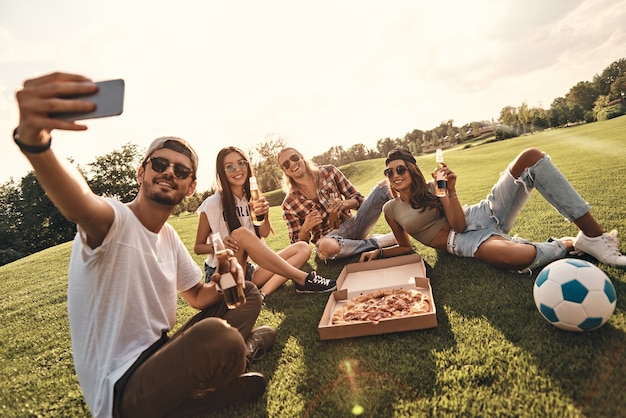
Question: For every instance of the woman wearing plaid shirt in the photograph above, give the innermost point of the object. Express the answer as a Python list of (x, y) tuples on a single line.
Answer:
[(318, 204)]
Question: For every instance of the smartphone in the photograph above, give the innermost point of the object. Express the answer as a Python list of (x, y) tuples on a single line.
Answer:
[(109, 100)]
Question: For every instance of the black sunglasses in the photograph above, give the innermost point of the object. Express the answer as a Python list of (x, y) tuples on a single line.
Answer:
[(292, 157), (401, 169), (160, 164), (231, 168)]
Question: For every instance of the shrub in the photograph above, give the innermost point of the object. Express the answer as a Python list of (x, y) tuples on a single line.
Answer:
[(611, 112)]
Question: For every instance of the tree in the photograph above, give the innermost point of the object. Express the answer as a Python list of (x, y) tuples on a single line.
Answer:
[(618, 88), (41, 222), (510, 123), (267, 171), (523, 115), (358, 152), (474, 131), (337, 156), (433, 137), (558, 114), (538, 119), (581, 97), (191, 203), (115, 174), (414, 140), (12, 242), (385, 145), (462, 135), (604, 81), (450, 134)]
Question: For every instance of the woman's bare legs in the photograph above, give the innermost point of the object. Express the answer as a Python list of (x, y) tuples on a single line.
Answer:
[(264, 256), (296, 255), (506, 254)]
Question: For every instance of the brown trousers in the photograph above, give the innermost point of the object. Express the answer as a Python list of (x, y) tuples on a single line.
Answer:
[(208, 351)]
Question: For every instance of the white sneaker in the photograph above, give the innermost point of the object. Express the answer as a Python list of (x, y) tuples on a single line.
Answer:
[(604, 248), (386, 240)]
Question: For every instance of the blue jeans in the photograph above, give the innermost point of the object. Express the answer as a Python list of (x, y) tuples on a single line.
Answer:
[(249, 272), (352, 233), (496, 214)]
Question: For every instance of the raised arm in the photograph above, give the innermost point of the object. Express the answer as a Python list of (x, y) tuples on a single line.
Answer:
[(62, 182), (451, 205)]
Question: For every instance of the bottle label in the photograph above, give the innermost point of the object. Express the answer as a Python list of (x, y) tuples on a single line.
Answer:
[(227, 281)]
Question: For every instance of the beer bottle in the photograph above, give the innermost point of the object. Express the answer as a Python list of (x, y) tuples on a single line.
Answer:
[(233, 292), (441, 183), (254, 196), (333, 217)]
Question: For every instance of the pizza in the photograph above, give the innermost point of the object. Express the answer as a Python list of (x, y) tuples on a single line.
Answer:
[(382, 304)]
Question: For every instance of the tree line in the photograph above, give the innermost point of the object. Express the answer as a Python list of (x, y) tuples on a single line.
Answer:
[(29, 222)]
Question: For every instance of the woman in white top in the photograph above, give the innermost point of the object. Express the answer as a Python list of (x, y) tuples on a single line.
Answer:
[(228, 212)]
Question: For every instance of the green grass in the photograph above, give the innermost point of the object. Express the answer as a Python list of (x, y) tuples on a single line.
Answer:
[(492, 353)]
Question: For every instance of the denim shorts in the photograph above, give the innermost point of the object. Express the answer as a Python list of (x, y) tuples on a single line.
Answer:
[(496, 214), (250, 270), (466, 243)]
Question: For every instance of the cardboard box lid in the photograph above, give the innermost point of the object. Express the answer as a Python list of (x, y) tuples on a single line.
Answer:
[(388, 273)]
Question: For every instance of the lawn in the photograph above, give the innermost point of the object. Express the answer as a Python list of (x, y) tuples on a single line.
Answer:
[(492, 354)]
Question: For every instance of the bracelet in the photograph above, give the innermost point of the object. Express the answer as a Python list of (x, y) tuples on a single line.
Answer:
[(453, 195), (380, 253), (30, 149)]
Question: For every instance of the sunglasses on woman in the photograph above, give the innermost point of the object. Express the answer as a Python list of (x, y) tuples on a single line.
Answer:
[(231, 168), (400, 170), (160, 164), (292, 157)]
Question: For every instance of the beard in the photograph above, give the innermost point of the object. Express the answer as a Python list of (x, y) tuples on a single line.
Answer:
[(164, 199), (170, 199)]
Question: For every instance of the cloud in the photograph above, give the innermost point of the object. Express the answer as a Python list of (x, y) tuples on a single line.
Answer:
[(318, 74)]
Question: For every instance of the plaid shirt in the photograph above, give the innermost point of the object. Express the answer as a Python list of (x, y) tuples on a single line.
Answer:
[(296, 206)]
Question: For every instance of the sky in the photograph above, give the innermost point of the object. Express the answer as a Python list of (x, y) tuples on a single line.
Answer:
[(316, 74)]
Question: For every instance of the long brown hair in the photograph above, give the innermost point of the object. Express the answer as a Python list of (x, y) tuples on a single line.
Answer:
[(310, 168), (421, 197), (228, 199)]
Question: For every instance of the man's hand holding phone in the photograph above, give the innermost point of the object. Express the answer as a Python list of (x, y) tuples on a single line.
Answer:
[(57, 100), (108, 100)]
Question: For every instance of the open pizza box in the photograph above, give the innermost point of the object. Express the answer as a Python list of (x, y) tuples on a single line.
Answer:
[(356, 279)]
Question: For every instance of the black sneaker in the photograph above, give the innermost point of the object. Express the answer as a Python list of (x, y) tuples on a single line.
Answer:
[(315, 283), (259, 342)]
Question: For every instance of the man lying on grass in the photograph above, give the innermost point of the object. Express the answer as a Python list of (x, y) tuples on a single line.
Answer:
[(127, 265)]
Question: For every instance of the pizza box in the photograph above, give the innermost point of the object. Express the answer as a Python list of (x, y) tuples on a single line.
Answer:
[(402, 272)]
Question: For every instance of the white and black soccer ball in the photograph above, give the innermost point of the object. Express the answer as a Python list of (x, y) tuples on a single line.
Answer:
[(574, 295)]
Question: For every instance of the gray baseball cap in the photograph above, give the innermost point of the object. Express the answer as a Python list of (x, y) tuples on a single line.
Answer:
[(176, 144)]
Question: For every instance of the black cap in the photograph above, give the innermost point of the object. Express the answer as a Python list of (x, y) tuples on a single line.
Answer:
[(399, 154)]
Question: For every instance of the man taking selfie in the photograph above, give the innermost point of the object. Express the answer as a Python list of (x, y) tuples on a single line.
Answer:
[(126, 268)]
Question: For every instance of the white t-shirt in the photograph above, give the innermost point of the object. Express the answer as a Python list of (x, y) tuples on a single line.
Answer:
[(212, 207), (121, 296)]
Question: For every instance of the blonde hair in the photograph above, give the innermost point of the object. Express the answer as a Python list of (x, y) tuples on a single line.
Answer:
[(310, 168)]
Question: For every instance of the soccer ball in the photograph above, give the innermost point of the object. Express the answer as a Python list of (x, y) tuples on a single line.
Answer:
[(574, 295)]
